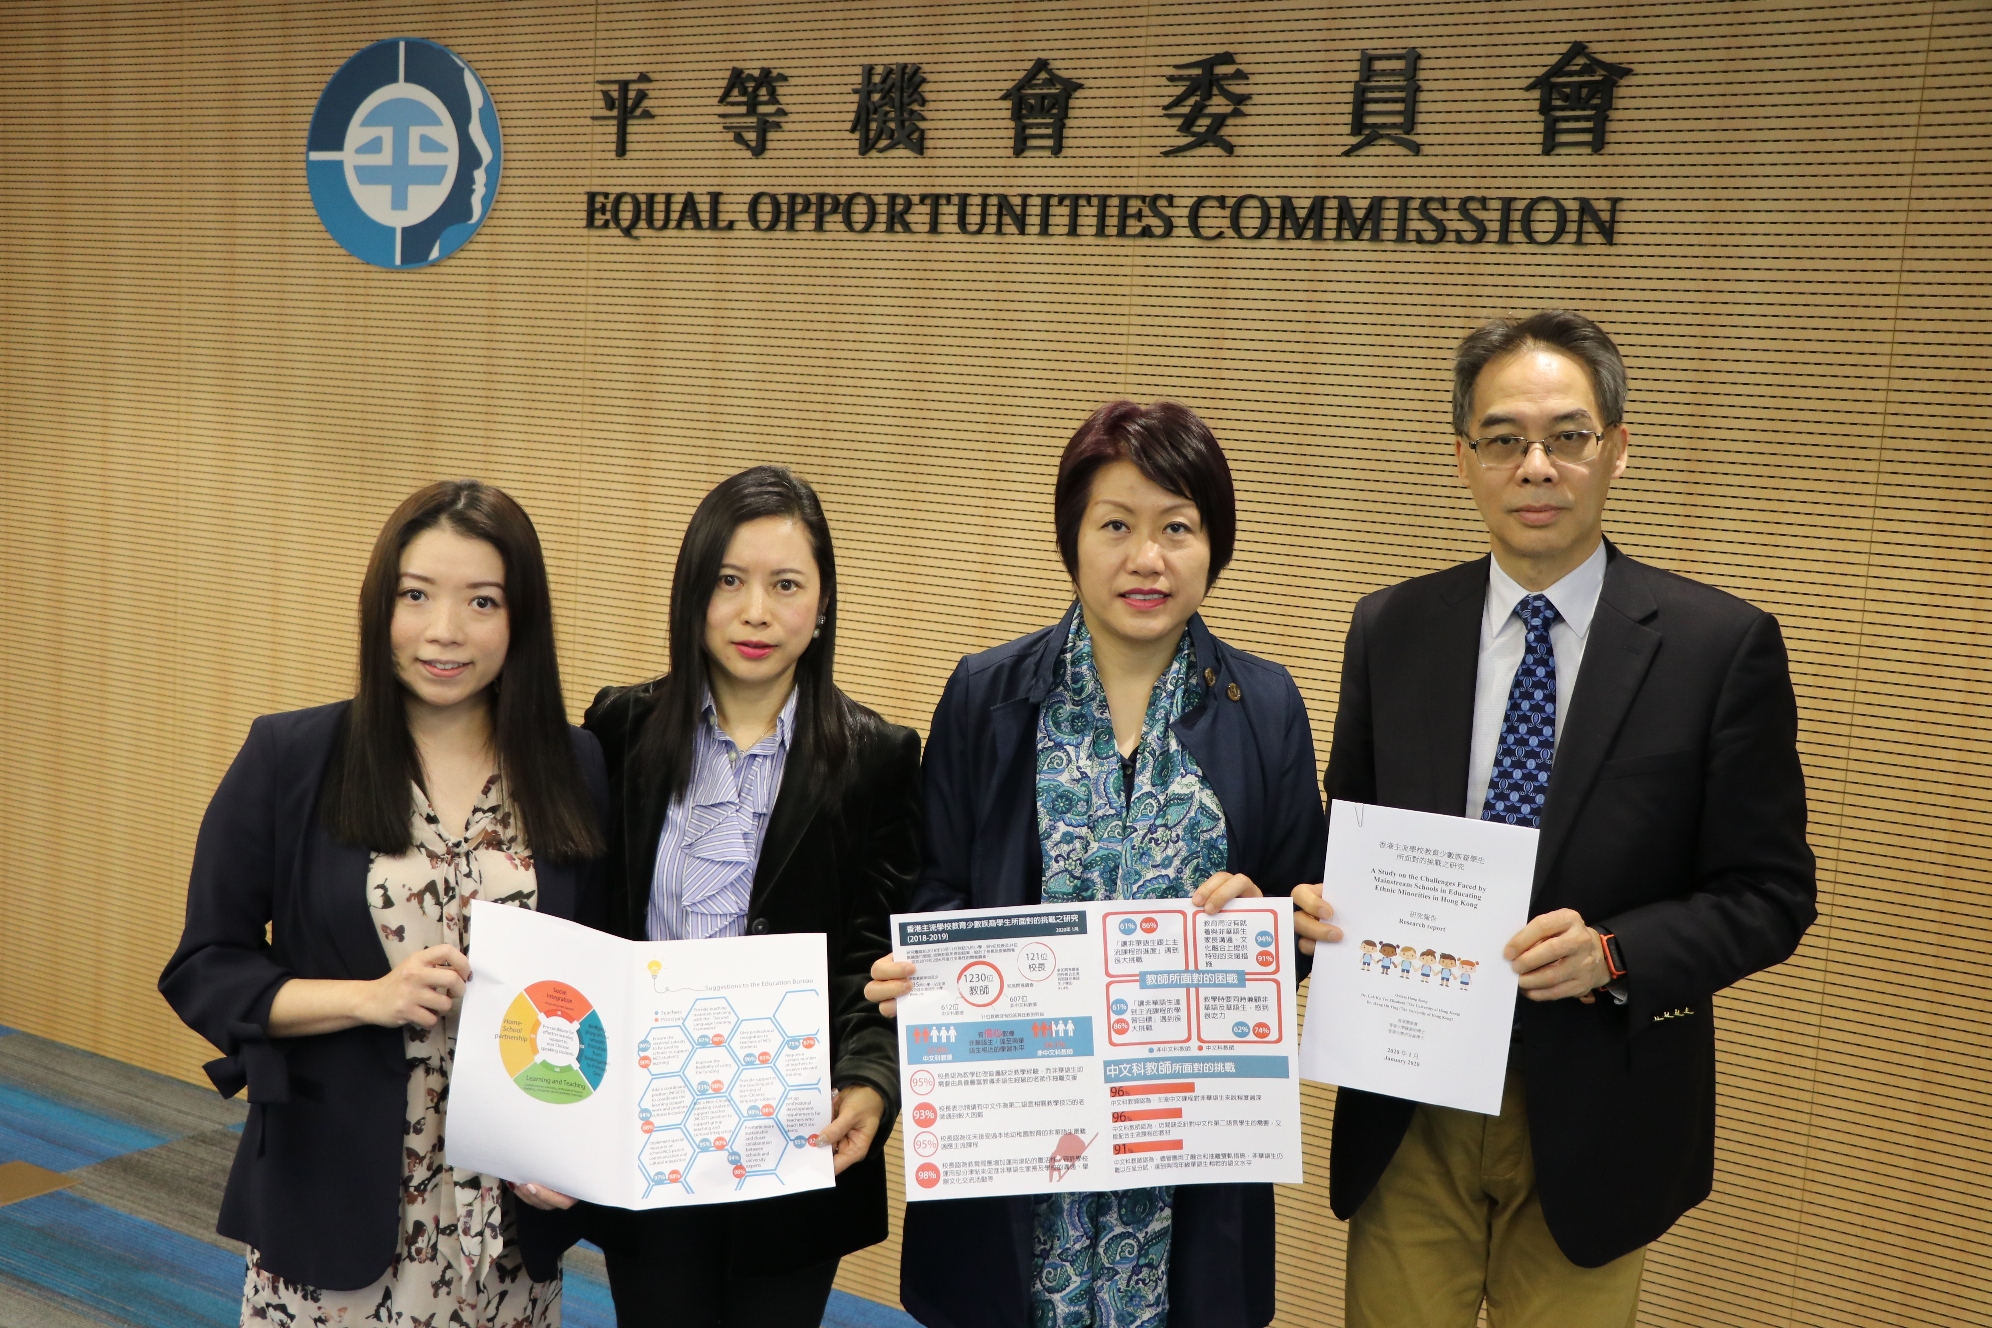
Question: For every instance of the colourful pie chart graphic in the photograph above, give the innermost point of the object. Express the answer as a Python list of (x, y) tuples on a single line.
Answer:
[(553, 1044)]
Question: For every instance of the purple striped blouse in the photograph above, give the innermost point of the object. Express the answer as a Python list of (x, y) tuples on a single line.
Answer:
[(712, 836)]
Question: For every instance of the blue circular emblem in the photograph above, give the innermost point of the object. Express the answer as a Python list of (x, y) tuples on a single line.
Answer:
[(403, 154), (1241, 1029), (1265, 939), (1119, 1006), (1127, 926)]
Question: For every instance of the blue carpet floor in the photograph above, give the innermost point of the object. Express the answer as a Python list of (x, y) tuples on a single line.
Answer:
[(129, 1241), (61, 1136), (122, 1269)]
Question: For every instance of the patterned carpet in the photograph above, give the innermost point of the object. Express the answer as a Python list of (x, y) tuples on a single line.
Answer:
[(110, 1178)]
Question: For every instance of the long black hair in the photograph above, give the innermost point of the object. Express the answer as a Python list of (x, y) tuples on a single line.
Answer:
[(826, 720), (366, 797)]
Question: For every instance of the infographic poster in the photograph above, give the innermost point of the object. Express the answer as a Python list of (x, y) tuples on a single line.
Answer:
[(1098, 1046), (641, 1074)]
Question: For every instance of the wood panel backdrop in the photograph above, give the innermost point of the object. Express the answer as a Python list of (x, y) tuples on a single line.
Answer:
[(207, 408)]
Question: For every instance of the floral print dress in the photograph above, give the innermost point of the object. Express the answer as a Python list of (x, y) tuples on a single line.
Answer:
[(458, 1264), (1101, 1260)]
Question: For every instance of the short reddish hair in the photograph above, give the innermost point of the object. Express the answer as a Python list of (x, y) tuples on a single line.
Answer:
[(1168, 444)]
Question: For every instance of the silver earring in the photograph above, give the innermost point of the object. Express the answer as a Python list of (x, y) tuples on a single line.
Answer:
[(819, 629)]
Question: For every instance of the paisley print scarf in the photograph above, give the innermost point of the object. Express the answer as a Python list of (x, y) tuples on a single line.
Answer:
[(1102, 1260)]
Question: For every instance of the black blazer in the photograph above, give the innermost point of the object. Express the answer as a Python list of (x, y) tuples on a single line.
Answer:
[(1676, 818), (838, 858), (316, 1185), (966, 1263)]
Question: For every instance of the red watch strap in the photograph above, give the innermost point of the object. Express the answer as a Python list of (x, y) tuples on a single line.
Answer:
[(1605, 939)]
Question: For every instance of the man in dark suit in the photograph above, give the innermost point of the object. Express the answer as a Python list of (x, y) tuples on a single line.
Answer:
[(1645, 723)]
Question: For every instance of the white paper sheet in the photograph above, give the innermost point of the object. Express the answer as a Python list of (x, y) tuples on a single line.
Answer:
[(1449, 893), (1098, 1046), (641, 1074)]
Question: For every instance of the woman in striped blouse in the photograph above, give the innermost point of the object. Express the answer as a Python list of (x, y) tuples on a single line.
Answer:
[(750, 797)]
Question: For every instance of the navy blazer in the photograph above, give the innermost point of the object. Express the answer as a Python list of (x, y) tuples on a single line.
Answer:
[(966, 1263), (1675, 818), (316, 1185)]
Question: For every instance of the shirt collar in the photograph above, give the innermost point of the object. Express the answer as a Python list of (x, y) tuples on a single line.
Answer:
[(1575, 596), (784, 722)]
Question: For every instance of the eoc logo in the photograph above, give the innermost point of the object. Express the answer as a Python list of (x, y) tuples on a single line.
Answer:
[(403, 154)]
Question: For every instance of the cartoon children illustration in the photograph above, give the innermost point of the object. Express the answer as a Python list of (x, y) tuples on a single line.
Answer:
[(1466, 967), (1369, 955), (1407, 959), (1389, 958), (1425, 961), (1445, 970)]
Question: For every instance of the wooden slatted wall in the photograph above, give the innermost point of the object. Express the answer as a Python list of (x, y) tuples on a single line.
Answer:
[(206, 408)]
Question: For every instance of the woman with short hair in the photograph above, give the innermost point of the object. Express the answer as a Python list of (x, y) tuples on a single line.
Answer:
[(357, 833), (1123, 753), (752, 797)]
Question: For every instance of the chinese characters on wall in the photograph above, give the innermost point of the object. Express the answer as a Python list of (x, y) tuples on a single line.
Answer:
[(1576, 99), (1207, 81), (1386, 105), (1039, 103), (888, 114), (756, 107), (1208, 102)]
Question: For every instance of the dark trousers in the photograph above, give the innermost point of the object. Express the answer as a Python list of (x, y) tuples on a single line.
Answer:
[(669, 1269)]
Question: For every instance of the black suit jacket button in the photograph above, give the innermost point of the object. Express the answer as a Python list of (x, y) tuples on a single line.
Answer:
[(1210, 677), (759, 927), (1232, 691)]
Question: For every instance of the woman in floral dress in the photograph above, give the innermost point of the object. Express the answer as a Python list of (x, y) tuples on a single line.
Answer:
[(357, 834)]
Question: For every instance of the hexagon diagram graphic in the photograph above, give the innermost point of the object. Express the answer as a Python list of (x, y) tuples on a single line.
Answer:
[(731, 1091), (663, 1050)]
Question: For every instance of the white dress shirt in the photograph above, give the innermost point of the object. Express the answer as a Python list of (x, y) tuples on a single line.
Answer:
[(1504, 638)]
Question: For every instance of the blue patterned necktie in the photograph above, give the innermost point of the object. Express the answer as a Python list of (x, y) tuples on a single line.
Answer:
[(1520, 782)]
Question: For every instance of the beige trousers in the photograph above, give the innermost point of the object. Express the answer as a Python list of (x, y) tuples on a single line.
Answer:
[(1456, 1220)]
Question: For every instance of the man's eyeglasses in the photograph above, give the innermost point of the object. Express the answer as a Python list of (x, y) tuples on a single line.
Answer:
[(1503, 450)]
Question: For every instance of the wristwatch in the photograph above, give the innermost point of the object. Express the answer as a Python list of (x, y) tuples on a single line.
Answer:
[(1614, 960)]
